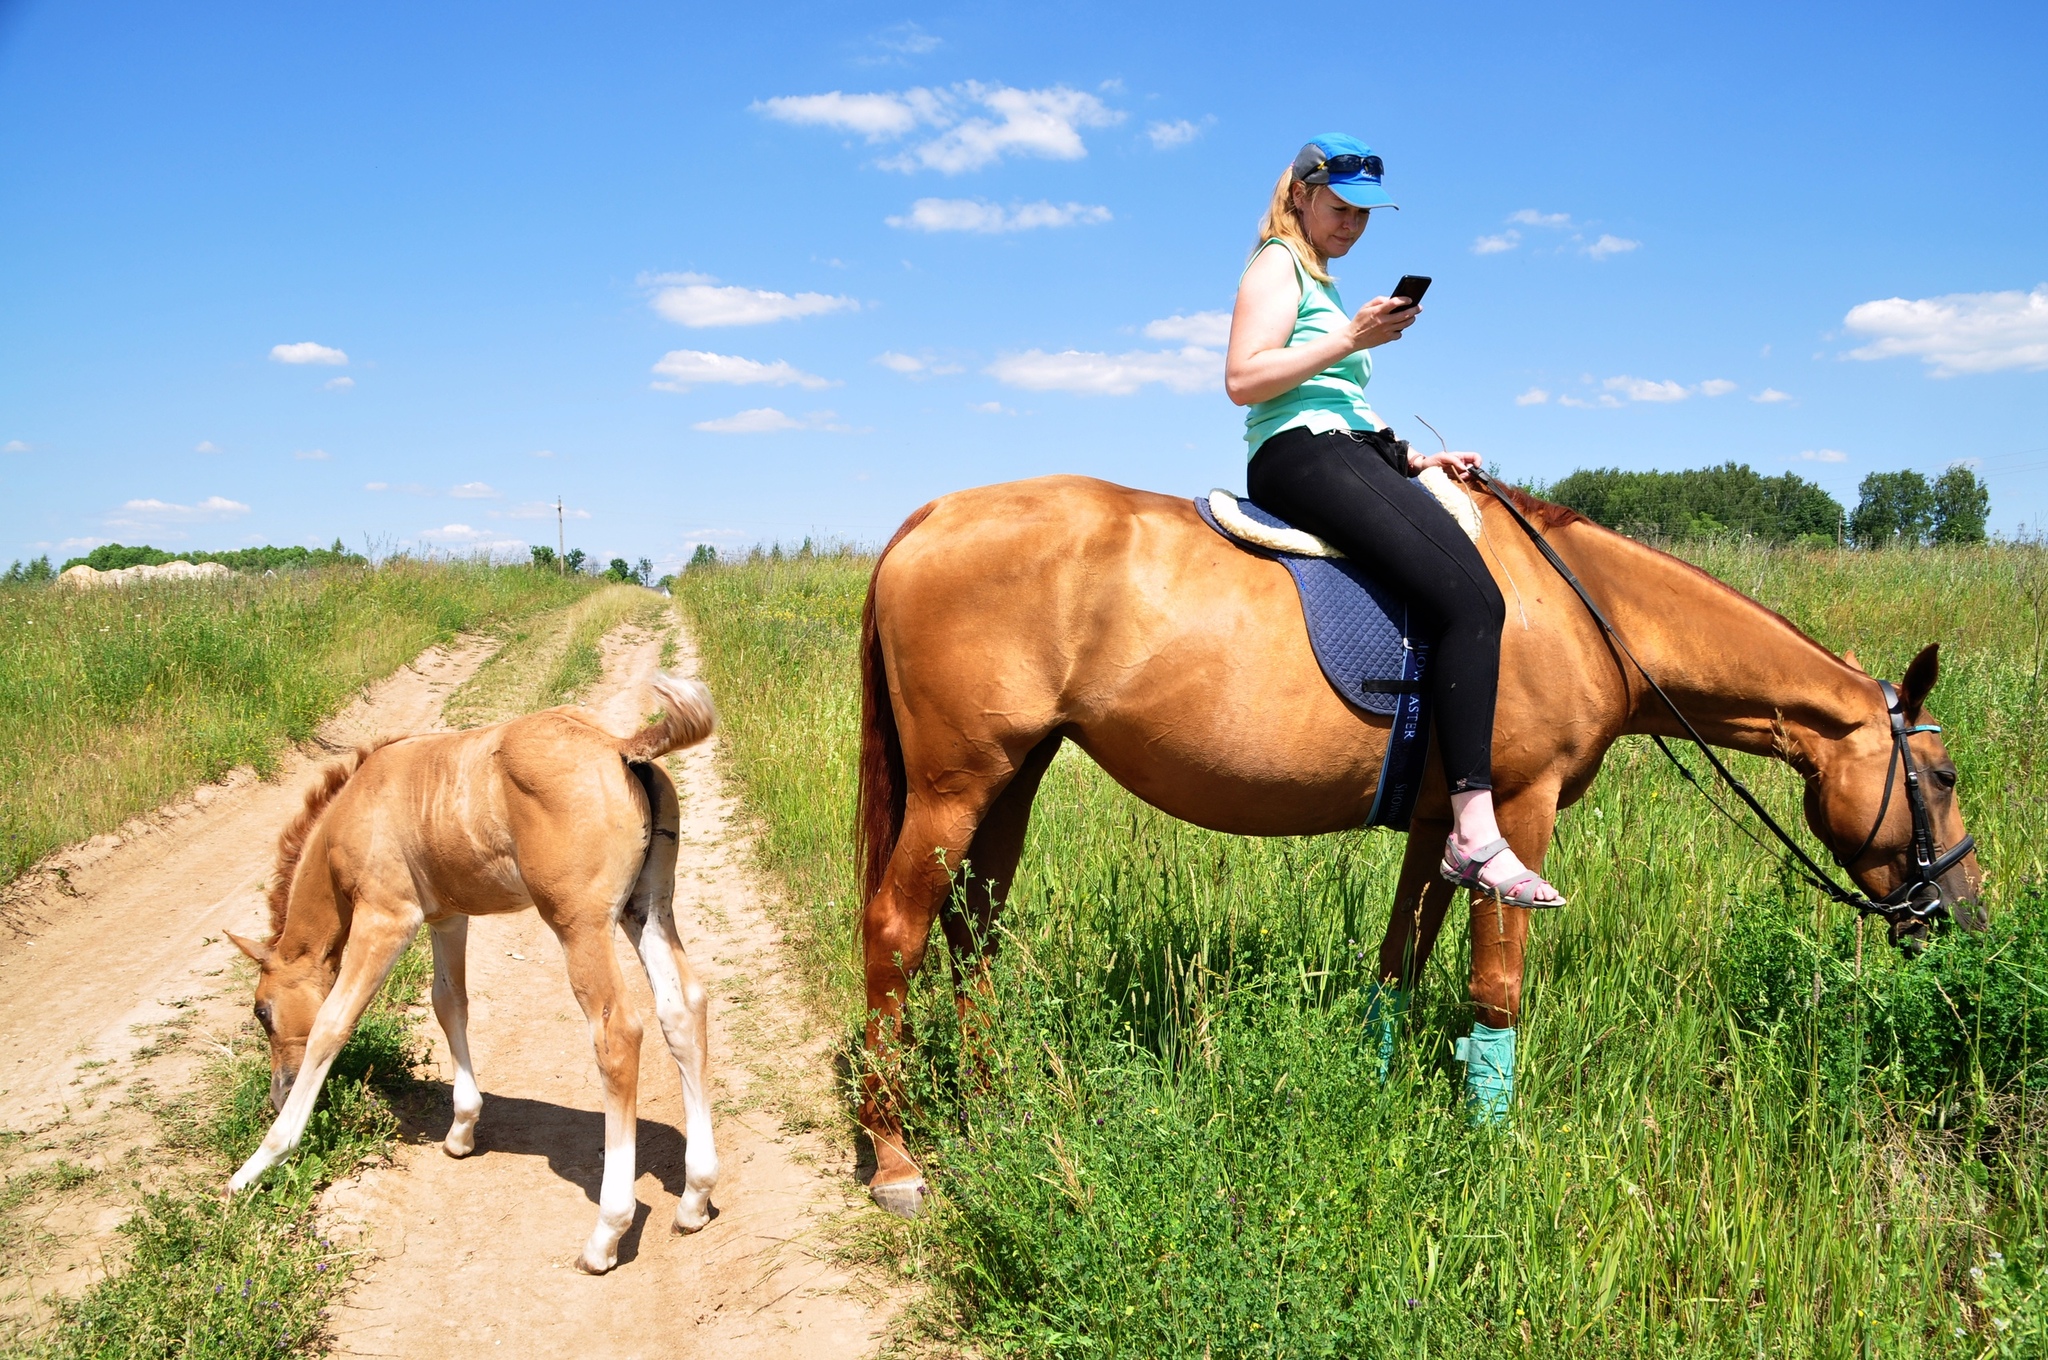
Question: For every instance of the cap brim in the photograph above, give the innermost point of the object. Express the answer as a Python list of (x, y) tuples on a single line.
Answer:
[(1363, 195)]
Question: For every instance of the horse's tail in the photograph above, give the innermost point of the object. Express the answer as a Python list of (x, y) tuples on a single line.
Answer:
[(878, 820), (668, 714)]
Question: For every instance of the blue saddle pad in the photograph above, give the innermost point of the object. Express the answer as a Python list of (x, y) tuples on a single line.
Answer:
[(1360, 630)]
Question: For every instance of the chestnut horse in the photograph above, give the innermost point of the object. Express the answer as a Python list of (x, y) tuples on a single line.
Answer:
[(1004, 620), (562, 811)]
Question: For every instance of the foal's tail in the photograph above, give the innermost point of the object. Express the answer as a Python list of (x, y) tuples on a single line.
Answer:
[(669, 714), (878, 820)]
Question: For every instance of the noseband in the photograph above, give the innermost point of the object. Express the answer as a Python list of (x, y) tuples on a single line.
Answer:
[(1915, 901)]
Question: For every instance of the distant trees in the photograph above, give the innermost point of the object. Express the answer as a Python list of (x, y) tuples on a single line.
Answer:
[(704, 556), (1702, 503), (543, 556), (114, 556), (1903, 509), (37, 573)]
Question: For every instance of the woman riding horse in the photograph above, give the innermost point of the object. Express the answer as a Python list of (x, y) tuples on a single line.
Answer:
[(1324, 462)]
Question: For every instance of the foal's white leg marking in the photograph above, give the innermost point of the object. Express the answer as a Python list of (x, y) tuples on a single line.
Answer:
[(615, 1033), (364, 967), (451, 1007), (680, 1003)]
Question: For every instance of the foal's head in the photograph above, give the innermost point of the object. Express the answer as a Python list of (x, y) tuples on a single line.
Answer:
[(1872, 835), (296, 966)]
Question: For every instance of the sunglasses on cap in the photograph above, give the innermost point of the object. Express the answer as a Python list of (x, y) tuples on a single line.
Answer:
[(1344, 167)]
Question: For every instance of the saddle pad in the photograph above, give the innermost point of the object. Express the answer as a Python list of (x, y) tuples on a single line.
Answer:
[(1359, 629)]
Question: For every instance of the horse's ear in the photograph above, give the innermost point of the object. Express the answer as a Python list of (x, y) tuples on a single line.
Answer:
[(257, 951), (1920, 678), (1850, 657)]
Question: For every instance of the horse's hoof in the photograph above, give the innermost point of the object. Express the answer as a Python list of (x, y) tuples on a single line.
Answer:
[(693, 1217), (458, 1148), (590, 1266), (905, 1199)]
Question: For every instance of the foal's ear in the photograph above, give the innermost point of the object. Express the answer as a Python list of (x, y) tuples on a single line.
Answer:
[(1920, 678), (257, 951)]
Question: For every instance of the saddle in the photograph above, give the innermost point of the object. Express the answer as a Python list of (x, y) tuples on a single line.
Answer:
[(1359, 628)]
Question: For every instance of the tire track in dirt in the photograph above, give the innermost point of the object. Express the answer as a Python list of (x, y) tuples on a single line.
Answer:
[(116, 946), (474, 1255)]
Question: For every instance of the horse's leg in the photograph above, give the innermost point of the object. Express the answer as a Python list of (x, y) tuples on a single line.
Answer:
[(378, 934), (451, 1008), (992, 865), (1420, 900), (679, 1002), (586, 938), (896, 927), (1500, 936)]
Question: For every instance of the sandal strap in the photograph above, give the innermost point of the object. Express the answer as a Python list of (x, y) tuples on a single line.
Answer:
[(1486, 852)]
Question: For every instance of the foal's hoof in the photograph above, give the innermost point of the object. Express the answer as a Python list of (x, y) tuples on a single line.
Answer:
[(693, 1214), (592, 1265), (459, 1147), (905, 1199)]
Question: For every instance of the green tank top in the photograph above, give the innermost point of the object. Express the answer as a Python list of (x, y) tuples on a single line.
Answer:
[(1333, 399)]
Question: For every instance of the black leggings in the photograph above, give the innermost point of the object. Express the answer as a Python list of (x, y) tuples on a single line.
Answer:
[(1339, 488)]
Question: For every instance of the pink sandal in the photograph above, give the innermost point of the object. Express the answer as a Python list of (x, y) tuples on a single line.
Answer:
[(1462, 871)]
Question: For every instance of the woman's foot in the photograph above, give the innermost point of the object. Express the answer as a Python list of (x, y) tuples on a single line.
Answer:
[(1492, 868)]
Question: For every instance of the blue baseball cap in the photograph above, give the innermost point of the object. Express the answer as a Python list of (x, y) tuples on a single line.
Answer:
[(1348, 166)]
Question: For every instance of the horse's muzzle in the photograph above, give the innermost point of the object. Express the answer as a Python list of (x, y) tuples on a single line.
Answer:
[(280, 1087)]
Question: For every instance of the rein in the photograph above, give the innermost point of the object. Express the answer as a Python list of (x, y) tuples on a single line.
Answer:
[(1916, 900)]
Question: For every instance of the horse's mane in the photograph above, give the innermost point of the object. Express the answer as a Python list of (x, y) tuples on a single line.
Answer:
[(1544, 514), (292, 842)]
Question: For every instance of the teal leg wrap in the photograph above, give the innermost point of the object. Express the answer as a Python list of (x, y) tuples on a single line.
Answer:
[(1489, 1058), (1383, 1013)]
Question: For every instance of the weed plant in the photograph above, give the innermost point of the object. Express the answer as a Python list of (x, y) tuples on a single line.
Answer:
[(114, 701), (1742, 1125), (207, 1278)]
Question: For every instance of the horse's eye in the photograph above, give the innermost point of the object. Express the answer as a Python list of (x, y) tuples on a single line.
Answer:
[(1945, 778), (263, 1015)]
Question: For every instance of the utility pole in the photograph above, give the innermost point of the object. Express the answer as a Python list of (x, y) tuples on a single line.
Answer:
[(561, 542)]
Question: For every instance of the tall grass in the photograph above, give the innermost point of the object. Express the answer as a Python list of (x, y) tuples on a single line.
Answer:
[(114, 701), (551, 658), (1182, 1147)]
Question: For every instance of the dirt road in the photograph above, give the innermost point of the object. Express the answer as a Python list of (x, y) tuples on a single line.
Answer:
[(470, 1254)]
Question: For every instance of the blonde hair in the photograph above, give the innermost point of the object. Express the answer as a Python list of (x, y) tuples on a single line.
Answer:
[(1283, 221)]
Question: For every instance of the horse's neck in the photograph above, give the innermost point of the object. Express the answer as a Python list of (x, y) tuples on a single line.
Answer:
[(315, 927), (1744, 675)]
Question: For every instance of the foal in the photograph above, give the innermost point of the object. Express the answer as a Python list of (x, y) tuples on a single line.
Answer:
[(558, 811)]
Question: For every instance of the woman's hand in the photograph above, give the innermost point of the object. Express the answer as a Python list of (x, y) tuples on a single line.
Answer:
[(1381, 322), (1457, 464)]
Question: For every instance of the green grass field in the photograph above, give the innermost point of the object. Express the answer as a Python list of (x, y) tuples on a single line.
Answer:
[(115, 701), (1741, 1128)]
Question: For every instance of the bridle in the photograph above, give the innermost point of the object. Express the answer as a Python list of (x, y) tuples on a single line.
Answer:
[(1915, 901)]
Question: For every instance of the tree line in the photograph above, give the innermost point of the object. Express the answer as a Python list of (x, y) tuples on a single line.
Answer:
[(1892, 508)]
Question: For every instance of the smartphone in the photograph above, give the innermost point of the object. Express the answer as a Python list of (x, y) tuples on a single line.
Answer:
[(1412, 287)]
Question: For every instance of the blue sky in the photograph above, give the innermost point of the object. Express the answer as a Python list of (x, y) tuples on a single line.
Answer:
[(404, 274)]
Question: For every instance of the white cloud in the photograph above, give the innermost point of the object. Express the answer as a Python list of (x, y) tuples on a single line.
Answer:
[(203, 446), (1610, 245), (1604, 399), (1771, 395), (1957, 332), (88, 544), (1716, 387), (150, 511), (1166, 136), (306, 352), (1010, 121), (474, 540), (1191, 369), (311, 455), (973, 214), (905, 364), (476, 491), (543, 453), (682, 369), (1644, 389), (695, 300), (21, 446), (768, 420), (342, 384), (898, 42), (1824, 456), (1208, 329), (1495, 245), (1535, 396), (1529, 217), (376, 486), (991, 408)]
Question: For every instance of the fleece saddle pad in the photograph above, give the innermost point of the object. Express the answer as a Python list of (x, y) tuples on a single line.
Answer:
[(1360, 630)]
